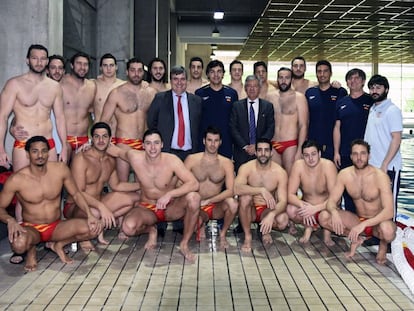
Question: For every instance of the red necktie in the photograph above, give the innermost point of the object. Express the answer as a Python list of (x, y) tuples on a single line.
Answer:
[(181, 128)]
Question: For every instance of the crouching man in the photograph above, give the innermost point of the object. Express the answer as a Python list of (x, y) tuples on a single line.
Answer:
[(38, 187), (370, 188), (261, 185)]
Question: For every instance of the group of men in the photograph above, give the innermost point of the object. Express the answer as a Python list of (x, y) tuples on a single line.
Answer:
[(195, 157)]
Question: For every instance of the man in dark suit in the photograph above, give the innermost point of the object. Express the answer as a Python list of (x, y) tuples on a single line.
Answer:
[(251, 118), (176, 114)]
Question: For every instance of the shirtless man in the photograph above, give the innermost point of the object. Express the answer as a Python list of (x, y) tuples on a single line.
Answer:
[(78, 97), (236, 75), (291, 120), (31, 97), (267, 90), (299, 83), (196, 74), (370, 189), (105, 83), (315, 177), (261, 185), (213, 171), (91, 170), (38, 188), (129, 104), (161, 198), (158, 75)]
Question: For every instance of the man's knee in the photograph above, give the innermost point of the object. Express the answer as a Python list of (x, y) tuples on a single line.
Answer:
[(282, 221), (20, 245), (193, 200), (232, 206), (245, 201), (292, 211), (388, 230), (324, 218), (129, 226)]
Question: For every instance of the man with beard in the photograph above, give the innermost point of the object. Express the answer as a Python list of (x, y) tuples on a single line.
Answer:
[(251, 118), (261, 185), (31, 97), (369, 187), (217, 103), (322, 109), (38, 187), (78, 97), (129, 104), (158, 75), (105, 83), (236, 75), (291, 121), (299, 83), (92, 169), (196, 74), (383, 133), (351, 120), (215, 175)]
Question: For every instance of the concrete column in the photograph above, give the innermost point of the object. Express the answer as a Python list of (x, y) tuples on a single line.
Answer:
[(115, 20), (23, 23)]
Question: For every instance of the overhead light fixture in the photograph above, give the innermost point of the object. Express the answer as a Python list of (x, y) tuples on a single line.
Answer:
[(214, 46), (218, 14), (212, 55), (215, 33)]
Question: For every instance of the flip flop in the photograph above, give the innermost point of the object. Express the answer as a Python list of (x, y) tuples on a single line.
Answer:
[(17, 259)]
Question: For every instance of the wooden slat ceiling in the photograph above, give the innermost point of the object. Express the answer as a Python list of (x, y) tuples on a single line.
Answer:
[(338, 30)]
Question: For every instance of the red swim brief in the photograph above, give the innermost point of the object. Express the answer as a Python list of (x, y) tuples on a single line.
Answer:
[(20, 144), (369, 231), (76, 141), (281, 146), (45, 230), (159, 213), (259, 211), (209, 209), (133, 143)]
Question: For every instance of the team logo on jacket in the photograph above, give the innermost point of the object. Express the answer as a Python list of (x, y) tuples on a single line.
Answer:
[(228, 99)]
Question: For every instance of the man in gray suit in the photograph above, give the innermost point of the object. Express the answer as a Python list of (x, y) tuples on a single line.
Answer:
[(251, 118), (176, 114)]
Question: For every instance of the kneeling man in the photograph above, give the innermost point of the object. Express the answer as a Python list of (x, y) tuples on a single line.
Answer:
[(370, 189), (214, 171), (38, 187), (161, 199), (261, 185), (315, 177)]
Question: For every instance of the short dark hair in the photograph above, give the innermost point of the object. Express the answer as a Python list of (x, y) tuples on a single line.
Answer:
[(134, 60), (212, 130), (298, 58), (196, 59), (107, 56), (101, 125), (36, 47), (79, 54), (157, 59), (177, 70), (258, 64), (151, 131), (214, 63), (59, 57), (380, 80), (362, 143), (284, 69), (265, 141), (236, 61), (323, 62), (311, 143), (35, 139), (356, 71)]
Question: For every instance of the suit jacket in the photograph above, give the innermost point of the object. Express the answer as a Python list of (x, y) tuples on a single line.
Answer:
[(160, 115), (239, 127)]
